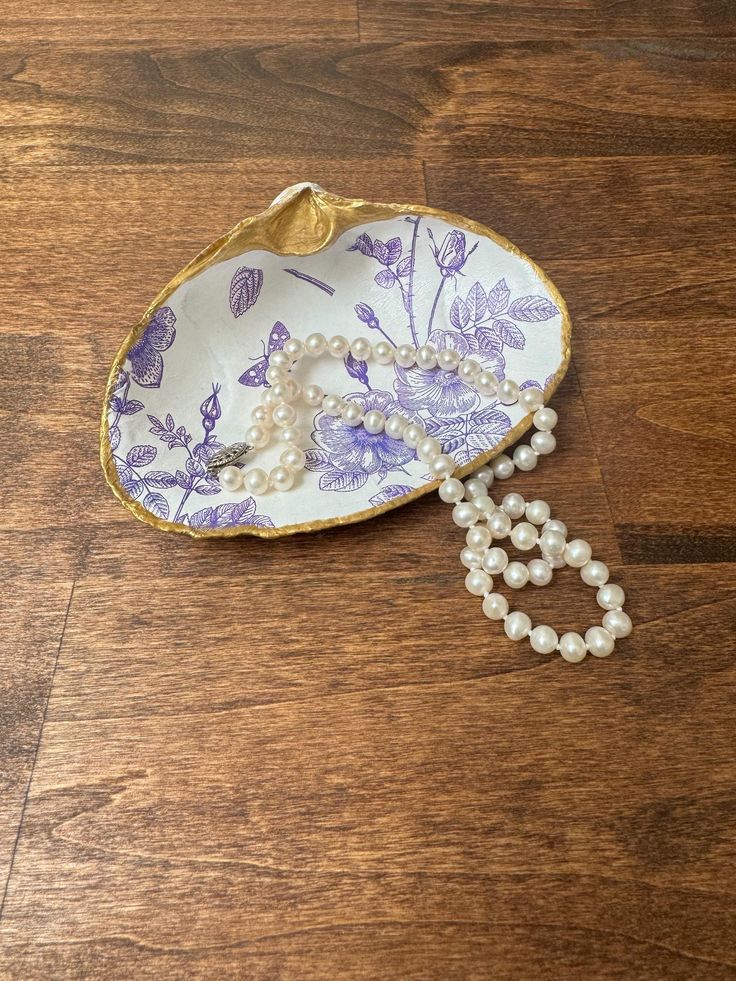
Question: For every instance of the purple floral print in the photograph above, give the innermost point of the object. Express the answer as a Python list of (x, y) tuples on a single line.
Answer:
[(146, 363)]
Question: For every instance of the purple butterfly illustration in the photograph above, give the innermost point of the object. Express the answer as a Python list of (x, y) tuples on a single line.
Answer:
[(255, 376)]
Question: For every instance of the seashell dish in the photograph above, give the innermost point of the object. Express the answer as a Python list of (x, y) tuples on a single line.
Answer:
[(187, 377)]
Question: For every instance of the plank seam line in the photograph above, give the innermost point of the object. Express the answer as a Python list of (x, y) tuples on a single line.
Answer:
[(38, 746)]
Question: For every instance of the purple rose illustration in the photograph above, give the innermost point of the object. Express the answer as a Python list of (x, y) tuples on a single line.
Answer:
[(451, 256), (146, 363), (353, 450)]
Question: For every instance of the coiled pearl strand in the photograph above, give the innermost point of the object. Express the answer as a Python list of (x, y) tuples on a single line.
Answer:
[(486, 523)]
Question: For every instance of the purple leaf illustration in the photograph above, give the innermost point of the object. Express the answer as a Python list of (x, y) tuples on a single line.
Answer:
[(387, 253), (244, 289), (318, 460), (194, 467), (385, 278), (489, 341), (207, 489), (160, 479), (476, 302), (141, 456), (532, 308), (404, 267), (336, 480), (498, 297), (131, 407), (156, 504), (510, 334), (389, 493), (134, 487), (363, 243), (459, 316), (114, 437)]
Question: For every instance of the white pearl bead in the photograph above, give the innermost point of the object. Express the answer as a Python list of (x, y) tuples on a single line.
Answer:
[(279, 359), (262, 415), (291, 434), (508, 392), (552, 543), (495, 606), (475, 488), (554, 525), (448, 360), (486, 383), (352, 414), (531, 399), (395, 426), (285, 391), (374, 421), (617, 623), (442, 465), (478, 582), (543, 443), (478, 537), (316, 345), (383, 352), (361, 349), (470, 558), (274, 374), (485, 474), (294, 457), (332, 405), (554, 561), (468, 369), (405, 355), (313, 395), (577, 553), (428, 448), (516, 575), (426, 357), (524, 536), (269, 397), (499, 524), (545, 419), (281, 478), (284, 415), (572, 647), (257, 436), (610, 596), (451, 490), (598, 641), (338, 346), (537, 512), (413, 435), (256, 481), (495, 560), (594, 573), (465, 514), (513, 505), (525, 458), (485, 503), (502, 466), (517, 625), (540, 572), (543, 639), (294, 348), (230, 478)]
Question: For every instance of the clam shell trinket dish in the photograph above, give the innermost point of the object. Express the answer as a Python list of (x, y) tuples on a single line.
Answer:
[(182, 388)]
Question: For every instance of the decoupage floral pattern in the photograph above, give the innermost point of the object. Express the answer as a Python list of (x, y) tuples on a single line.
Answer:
[(410, 280)]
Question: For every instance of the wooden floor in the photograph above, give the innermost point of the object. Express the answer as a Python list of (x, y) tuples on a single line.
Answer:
[(312, 759)]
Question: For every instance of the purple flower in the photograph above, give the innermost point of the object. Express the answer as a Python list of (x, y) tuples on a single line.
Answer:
[(471, 346), (439, 393), (353, 450), (210, 410), (451, 256), (146, 363), (366, 315)]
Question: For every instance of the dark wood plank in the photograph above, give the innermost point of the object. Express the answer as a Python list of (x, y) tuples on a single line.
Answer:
[(469, 20), (150, 22), (107, 105)]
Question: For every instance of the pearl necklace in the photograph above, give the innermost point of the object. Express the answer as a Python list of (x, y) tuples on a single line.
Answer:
[(486, 523)]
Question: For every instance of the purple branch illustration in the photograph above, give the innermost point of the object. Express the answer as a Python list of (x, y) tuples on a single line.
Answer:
[(311, 279), (410, 305)]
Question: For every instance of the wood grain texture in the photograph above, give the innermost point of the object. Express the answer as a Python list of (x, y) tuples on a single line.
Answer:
[(314, 758)]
